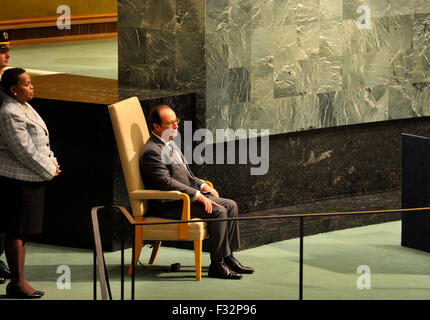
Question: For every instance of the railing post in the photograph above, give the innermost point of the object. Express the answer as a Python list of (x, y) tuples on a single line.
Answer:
[(95, 273), (122, 256), (301, 260), (107, 279), (133, 236), (99, 252)]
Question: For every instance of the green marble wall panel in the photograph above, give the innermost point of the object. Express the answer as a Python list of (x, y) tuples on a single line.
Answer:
[(329, 74), (331, 39), (421, 97), (326, 109), (283, 65), (325, 70), (239, 48), (331, 10), (161, 43), (421, 6), (285, 112), (234, 116)]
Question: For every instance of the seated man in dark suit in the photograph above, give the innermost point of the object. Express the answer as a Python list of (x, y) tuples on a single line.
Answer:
[(160, 175)]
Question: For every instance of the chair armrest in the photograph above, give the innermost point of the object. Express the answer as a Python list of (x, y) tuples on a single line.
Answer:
[(155, 194), (168, 195)]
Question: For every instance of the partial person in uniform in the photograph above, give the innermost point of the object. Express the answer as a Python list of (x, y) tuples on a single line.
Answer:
[(4, 62), (206, 202), (4, 57), (26, 165)]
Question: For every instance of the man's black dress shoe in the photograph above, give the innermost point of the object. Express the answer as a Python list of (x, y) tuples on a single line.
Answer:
[(13, 292), (2, 280), (220, 270), (235, 265)]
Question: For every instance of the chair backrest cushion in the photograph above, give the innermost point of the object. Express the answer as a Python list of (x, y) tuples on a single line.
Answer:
[(131, 133)]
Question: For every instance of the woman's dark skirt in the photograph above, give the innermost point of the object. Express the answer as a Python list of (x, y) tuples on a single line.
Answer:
[(21, 207)]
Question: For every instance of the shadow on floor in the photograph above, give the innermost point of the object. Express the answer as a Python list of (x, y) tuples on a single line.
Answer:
[(157, 273)]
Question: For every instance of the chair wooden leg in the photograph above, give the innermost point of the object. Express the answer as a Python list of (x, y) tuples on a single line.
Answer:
[(157, 245), (138, 242), (198, 257)]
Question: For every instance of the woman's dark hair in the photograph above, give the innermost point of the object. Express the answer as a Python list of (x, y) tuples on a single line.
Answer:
[(11, 78)]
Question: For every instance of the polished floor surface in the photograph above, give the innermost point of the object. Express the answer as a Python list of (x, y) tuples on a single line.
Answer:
[(331, 261), (95, 58)]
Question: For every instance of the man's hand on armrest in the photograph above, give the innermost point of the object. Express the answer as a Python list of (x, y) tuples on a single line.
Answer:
[(207, 203), (212, 191)]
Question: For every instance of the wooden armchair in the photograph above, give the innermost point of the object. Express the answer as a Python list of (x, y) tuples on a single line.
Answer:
[(131, 133)]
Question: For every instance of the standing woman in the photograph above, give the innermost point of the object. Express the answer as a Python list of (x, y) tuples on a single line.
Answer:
[(26, 164)]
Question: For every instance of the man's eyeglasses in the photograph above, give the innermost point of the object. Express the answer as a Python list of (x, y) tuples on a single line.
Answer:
[(171, 123)]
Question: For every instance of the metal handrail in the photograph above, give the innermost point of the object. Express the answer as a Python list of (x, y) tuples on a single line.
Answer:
[(99, 257)]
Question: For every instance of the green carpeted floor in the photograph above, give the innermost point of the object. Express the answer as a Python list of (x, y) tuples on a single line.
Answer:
[(97, 58), (330, 270)]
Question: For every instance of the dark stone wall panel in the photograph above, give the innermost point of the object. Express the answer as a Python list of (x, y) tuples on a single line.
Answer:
[(319, 164)]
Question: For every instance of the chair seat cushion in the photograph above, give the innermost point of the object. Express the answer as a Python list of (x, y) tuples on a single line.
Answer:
[(196, 230)]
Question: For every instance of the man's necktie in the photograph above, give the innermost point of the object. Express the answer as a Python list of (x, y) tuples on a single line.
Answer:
[(176, 155)]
